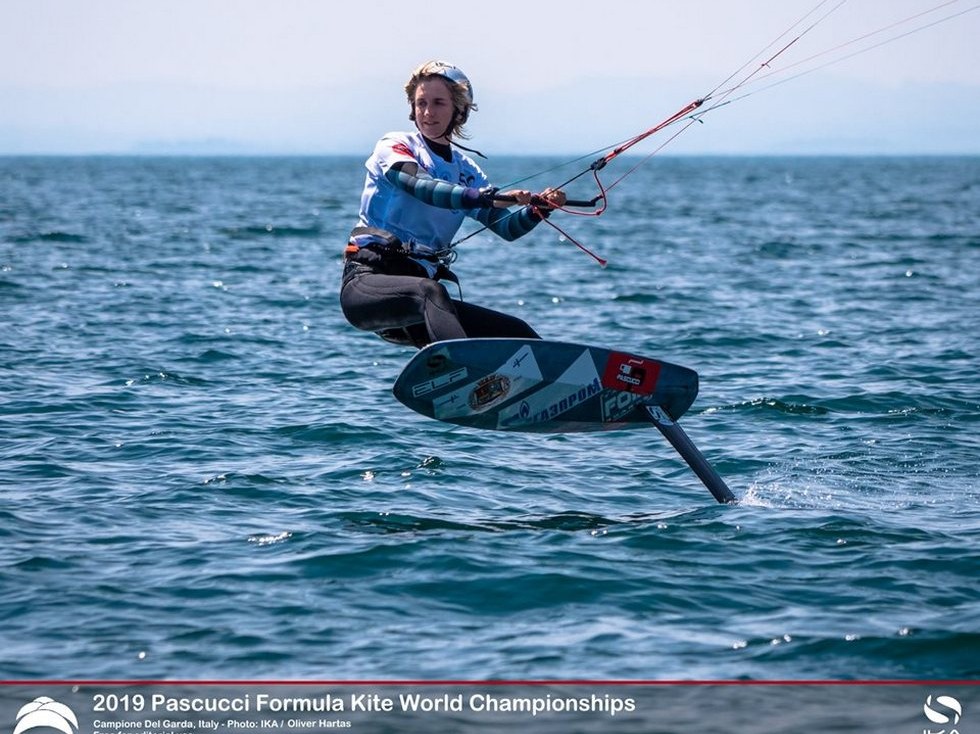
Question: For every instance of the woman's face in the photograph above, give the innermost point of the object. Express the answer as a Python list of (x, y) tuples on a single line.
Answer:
[(434, 108)]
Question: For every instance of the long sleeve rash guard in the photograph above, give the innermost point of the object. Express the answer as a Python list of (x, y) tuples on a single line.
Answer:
[(425, 210)]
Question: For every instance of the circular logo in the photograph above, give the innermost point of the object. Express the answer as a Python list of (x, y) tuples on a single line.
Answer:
[(944, 710), (489, 391)]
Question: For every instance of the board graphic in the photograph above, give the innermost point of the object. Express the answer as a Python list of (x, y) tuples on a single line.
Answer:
[(541, 386)]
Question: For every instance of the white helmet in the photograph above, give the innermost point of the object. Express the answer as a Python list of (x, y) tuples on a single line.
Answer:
[(452, 74)]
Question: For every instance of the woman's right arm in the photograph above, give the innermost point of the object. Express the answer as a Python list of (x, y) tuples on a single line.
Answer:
[(405, 176), (505, 223)]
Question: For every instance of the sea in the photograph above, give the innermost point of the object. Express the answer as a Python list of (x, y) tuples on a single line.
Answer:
[(204, 473)]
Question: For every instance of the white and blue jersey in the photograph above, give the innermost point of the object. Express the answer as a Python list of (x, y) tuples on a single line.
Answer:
[(426, 228)]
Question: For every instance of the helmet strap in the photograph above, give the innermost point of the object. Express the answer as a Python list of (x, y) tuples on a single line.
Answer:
[(470, 150)]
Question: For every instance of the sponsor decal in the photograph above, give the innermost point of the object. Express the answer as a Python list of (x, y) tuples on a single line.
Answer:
[(630, 374), (660, 415), (489, 391), (431, 385), (576, 384), (476, 393), (519, 359), (566, 402), (402, 149), (445, 403), (617, 404)]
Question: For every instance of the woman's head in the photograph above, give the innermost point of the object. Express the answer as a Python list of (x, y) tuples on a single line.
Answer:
[(441, 99)]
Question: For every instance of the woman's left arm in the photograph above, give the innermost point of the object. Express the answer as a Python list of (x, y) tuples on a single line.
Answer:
[(507, 223), (514, 224)]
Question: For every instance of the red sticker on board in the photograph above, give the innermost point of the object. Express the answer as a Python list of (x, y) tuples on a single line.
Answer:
[(630, 374)]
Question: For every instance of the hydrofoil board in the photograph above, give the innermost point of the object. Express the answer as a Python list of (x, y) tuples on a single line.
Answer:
[(541, 386), (549, 387)]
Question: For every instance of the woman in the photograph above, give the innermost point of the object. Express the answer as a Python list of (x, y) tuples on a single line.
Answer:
[(419, 188)]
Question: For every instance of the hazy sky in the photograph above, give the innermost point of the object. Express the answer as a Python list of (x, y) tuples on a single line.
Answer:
[(298, 76)]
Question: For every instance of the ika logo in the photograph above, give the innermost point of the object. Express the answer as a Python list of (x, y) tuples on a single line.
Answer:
[(942, 710), (46, 713)]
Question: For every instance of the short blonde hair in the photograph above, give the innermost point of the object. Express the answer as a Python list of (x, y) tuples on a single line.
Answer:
[(459, 87)]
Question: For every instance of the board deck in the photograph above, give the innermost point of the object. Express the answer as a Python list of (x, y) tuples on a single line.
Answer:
[(541, 386)]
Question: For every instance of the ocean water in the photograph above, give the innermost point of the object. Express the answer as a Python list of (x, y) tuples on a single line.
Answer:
[(203, 473)]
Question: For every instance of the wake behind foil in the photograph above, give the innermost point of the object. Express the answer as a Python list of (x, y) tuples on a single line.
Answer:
[(554, 387)]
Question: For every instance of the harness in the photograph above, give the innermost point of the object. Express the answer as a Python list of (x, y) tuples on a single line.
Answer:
[(375, 250), (384, 253)]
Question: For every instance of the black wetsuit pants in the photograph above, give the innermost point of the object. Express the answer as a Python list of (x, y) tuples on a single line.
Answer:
[(421, 307)]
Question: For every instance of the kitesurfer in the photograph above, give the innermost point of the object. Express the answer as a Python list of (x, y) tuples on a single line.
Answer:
[(418, 189)]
